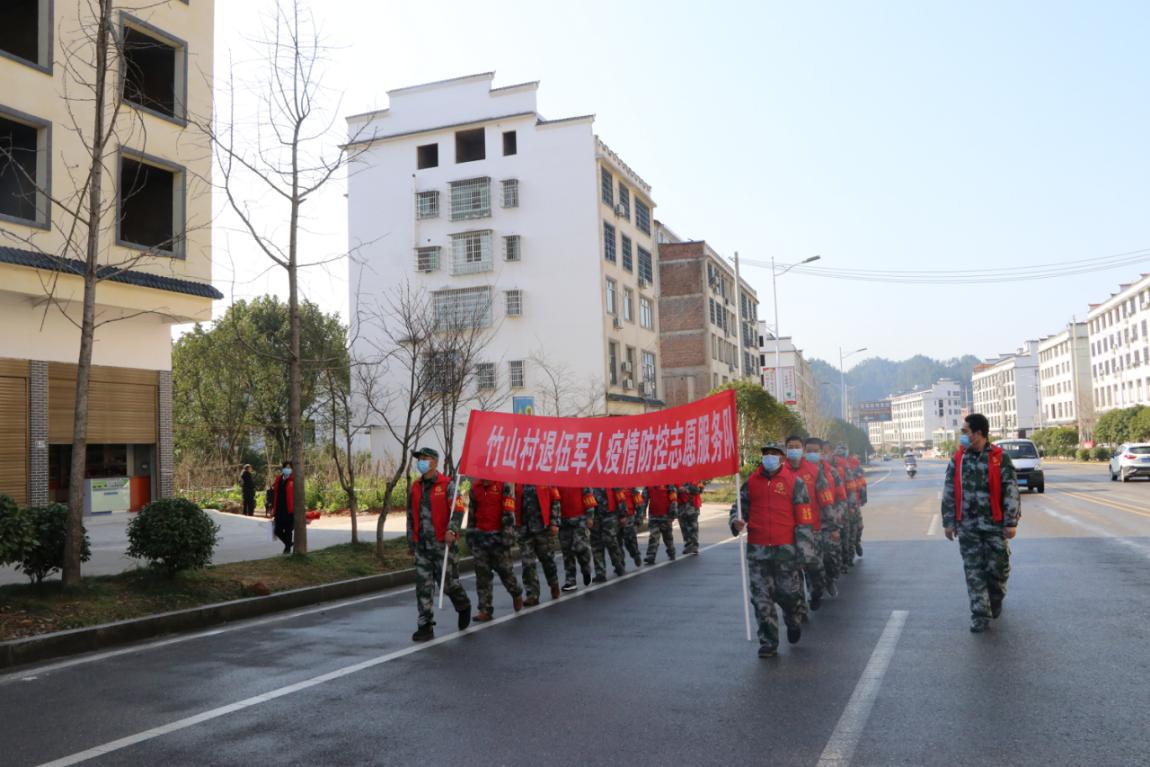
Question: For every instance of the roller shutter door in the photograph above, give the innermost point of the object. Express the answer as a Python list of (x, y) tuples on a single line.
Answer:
[(14, 438)]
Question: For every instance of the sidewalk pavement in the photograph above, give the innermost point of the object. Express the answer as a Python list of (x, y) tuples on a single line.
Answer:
[(241, 538)]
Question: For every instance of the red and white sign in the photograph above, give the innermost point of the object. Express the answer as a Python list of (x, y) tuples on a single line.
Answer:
[(688, 443)]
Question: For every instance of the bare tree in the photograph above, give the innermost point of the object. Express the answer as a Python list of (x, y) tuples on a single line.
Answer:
[(345, 423), (562, 395)]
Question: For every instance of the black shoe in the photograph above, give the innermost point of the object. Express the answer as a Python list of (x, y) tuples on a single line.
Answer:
[(979, 625), (586, 577), (794, 634), (648, 561), (638, 562), (569, 586), (620, 572), (766, 651), (465, 618), (858, 549), (833, 589), (423, 633), (805, 618), (287, 548), (600, 578), (816, 602), (995, 608)]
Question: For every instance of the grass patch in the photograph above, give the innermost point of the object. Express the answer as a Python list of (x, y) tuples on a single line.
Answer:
[(27, 610), (719, 491)]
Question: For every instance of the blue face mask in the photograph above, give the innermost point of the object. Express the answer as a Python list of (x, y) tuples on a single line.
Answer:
[(287, 472), (794, 453), (423, 465), (814, 457), (772, 462), (964, 440)]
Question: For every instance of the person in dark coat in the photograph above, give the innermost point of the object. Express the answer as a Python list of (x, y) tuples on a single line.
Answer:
[(248, 490), (282, 506)]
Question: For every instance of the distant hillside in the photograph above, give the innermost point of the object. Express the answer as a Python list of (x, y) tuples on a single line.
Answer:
[(877, 378)]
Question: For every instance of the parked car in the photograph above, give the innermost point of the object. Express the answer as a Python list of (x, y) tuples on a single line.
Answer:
[(1027, 463), (1131, 460)]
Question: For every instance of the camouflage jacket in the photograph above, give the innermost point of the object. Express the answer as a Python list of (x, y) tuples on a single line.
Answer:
[(602, 506), (976, 509)]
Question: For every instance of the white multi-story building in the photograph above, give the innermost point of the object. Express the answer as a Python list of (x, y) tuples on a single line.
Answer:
[(1120, 347), (1006, 392), (799, 391), (1064, 375), (916, 415), (532, 229)]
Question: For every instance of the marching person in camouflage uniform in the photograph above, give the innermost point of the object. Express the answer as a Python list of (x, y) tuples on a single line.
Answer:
[(576, 506), (828, 515), (661, 502), (641, 501), (777, 515), (432, 529), (846, 542), (624, 498), (860, 490), (490, 533), (840, 489), (817, 489), (980, 505), (690, 501), (605, 536), (537, 517)]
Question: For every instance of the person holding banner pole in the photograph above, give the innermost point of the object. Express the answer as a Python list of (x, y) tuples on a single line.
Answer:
[(433, 523), (777, 515), (605, 535), (537, 517), (490, 535), (576, 507)]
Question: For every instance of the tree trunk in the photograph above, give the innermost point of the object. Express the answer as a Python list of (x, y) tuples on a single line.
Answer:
[(295, 416)]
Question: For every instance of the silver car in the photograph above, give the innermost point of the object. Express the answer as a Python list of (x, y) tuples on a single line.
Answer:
[(1131, 460)]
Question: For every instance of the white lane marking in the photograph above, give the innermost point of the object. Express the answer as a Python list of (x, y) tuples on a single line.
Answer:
[(1098, 530), (882, 479), (239, 626), (935, 524), (840, 748), (215, 713)]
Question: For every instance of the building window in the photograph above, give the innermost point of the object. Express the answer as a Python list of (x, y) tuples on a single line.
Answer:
[(646, 316), (510, 143), (514, 303), (26, 33), (511, 193), (427, 156), (155, 70), (515, 368), (465, 307), (24, 169), (470, 145), (624, 208), (485, 376), (611, 307), (427, 259), (512, 248), (649, 388), (613, 362), (642, 216), (427, 204), (628, 305), (607, 186), (608, 242), (151, 205), (471, 253), (441, 371), (628, 263), (470, 199), (645, 272)]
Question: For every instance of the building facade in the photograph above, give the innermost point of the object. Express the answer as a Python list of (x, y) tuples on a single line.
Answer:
[(531, 229), (1006, 391), (1119, 337), (700, 317), (795, 377), (917, 415), (154, 241), (1067, 396)]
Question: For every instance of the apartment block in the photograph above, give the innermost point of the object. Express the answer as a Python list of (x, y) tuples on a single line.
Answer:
[(1006, 391), (917, 415), (1064, 375), (799, 390), (154, 242), (1119, 337)]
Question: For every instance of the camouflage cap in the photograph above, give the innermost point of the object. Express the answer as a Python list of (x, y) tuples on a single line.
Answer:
[(425, 452), (776, 446)]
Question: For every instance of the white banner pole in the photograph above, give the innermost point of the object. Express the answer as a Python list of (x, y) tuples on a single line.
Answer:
[(738, 495), (743, 561), (446, 546)]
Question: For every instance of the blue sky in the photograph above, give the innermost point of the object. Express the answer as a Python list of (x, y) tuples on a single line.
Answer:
[(881, 134)]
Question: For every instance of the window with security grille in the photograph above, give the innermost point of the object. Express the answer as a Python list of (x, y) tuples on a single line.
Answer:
[(642, 216), (470, 199), (613, 362), (427, 259), (628, 261), (485, 376), (625, 201), (607, 186), (649, 374), (512, 248), (646, 315), (609, 242), (471, 252), (514, 303), (511, 193), (441, 371), (427, 204), (645, 271), (515, 370), (465, 307)]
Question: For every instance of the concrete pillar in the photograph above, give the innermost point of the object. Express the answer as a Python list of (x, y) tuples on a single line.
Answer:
[(37, 433), (165, 454)]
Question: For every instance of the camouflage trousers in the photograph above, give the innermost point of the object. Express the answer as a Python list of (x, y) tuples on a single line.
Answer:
[(846, 537), (689, 528), (660, 527), (492, 556), (816, 569), (536, 548), (605, 540), (428, 567), (831, 555), (986, 560), (857, 527), (573, 543), (773, 581), (629, 538)]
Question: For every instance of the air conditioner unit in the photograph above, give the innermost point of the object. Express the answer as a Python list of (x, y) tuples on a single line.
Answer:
[(628, 383), (620, 209), (626, 367), (618, 323)]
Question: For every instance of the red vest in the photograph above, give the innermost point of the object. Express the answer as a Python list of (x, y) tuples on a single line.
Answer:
[(995, 484), (440, 506), (836, 480), (573, 503), (659, 500), (489, 506), (697, 497), (545, 498), (828, 495), (809, 473), (773, 515), (621, 500), (279, 487)]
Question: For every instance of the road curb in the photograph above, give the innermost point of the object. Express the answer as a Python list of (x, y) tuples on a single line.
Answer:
[(19, 652)]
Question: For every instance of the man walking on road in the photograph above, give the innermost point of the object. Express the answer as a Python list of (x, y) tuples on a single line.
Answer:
[(490, 533), (432, 529), (817, 489), (576, 505), (628, 535), (537, 516), (778, 518), (605, 535), (690, 502), (980, 505), (661, 501)]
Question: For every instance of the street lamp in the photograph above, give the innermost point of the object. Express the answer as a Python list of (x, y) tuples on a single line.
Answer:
[(843, 377), (775, 274)]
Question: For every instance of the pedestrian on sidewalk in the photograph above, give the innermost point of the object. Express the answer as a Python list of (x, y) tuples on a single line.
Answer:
[(490, 534), (283, 506), (248, 490), (981, 507)]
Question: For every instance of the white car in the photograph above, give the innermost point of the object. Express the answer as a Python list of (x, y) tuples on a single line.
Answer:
[(1131, 460), (1027, 463)]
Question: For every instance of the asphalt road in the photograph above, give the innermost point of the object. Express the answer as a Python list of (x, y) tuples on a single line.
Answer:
[(654, 668)]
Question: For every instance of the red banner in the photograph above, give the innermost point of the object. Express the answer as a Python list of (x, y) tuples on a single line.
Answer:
[(688, 443)]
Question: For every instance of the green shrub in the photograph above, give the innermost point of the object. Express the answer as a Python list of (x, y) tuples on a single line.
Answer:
[(14, 533), (1101, 454), (173, 534), (1082, 454), (42, 531)]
